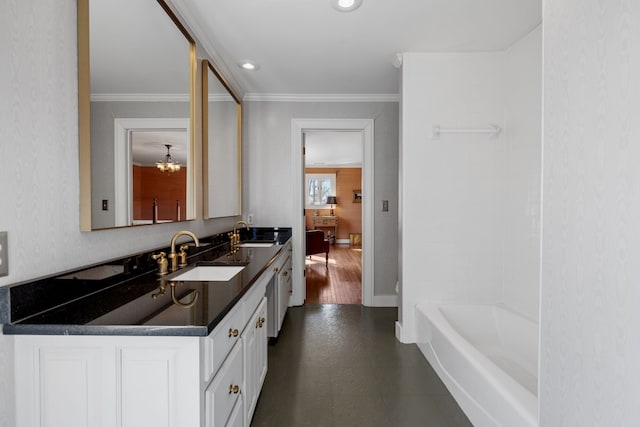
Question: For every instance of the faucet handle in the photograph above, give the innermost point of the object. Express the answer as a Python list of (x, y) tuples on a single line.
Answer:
[(182, 256), (162, 262)]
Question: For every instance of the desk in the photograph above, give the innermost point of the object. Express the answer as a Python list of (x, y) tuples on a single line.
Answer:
[(327, 222)]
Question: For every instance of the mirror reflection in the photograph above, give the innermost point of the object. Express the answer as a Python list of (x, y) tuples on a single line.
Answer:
[(222, 145), (141, 89), (159, 186)]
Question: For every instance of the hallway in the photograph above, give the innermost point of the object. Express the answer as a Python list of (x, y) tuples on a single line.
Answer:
[(341, 365), (341, 283)]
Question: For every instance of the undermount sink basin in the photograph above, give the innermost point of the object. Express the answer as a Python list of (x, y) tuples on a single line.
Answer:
[(209, 273), (255, 245)]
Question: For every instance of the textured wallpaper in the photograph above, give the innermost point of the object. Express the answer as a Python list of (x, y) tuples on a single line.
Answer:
[(590, 300), (39, 152)]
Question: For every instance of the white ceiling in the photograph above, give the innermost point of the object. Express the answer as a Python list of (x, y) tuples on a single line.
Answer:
[(333, 149), (307, 47), (148, 146)]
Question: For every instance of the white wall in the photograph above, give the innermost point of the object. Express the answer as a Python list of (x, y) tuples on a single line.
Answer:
[(523, 131), (39, 150), (267, 153), (590, 293), (453, 187), (471, 202)]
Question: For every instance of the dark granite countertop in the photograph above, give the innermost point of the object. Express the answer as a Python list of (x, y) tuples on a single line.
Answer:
[(114, 299)]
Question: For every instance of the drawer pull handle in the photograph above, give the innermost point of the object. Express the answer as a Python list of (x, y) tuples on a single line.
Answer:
[(262, 320), (233, 333), (234, 389), (276, 269), (286, 273)]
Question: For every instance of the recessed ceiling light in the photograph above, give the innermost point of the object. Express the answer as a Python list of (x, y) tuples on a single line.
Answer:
[(249, 65), (346, 5)]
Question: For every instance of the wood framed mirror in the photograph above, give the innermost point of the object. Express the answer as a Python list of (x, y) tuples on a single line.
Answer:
[(136, 92), (221, 145)]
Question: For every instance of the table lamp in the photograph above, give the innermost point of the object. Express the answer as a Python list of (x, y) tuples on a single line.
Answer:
[(331, 200)]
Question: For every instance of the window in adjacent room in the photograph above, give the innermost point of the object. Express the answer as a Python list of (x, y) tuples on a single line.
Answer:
[(319, 186)]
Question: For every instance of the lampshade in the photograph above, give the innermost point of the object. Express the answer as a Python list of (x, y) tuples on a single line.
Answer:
[(332, 200)]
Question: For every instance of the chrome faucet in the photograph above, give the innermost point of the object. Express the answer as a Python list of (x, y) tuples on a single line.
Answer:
[(235, 236), (180, 260)]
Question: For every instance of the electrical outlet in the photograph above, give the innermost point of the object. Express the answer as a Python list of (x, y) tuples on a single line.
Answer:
[(105, 205), (250, 219), (385, 206), (4, 254)]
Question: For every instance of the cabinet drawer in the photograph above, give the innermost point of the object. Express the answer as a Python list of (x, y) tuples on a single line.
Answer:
[(255, 295), (225, 389), (220, 341), (325, 222)]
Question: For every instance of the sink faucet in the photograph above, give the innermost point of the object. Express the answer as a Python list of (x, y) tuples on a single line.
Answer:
[(235, 236), (182, 256)]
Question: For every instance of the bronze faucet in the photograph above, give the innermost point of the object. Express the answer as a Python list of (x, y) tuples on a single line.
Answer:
[(235, 236), (182, 257)]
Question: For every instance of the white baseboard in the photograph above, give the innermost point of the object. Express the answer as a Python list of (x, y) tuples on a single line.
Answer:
[(385, 300), (399, 331), (342, 241)]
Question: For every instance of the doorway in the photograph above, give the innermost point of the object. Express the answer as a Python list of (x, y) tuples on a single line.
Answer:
[(300, 127), (333, 220)]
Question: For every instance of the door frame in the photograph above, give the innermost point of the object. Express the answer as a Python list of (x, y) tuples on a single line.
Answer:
[(298, 128), (123, 162)]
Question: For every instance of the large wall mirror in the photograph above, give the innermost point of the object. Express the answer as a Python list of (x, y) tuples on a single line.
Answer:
[(136, 76), (222, 145)]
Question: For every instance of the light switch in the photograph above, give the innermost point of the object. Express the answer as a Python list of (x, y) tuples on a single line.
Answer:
[(4, 254), (385, 206), (105, 205)]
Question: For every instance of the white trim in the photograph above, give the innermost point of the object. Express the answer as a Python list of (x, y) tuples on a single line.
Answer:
[(399, 332), (123, 198), (139, 97), (342, 241), (298, 128), (202, 39), (385, 300), (334, 165), (322, 97)]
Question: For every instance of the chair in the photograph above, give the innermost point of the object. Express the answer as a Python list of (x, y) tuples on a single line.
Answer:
[(316, 244)]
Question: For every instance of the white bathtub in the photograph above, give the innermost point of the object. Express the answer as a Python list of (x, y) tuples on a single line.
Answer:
[(487, 356)]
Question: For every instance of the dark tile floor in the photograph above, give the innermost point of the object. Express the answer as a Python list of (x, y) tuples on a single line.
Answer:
[(341, 365)]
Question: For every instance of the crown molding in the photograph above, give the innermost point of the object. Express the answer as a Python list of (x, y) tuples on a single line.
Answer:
[(139, 97), (213, 55), (321, 97)]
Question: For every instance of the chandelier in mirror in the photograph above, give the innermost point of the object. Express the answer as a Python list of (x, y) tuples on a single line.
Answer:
[(168, 165)]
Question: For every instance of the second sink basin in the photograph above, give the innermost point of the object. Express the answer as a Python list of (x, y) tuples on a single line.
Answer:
[(207, 273)]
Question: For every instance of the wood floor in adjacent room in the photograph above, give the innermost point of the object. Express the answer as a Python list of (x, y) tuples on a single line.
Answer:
[(341, 282)]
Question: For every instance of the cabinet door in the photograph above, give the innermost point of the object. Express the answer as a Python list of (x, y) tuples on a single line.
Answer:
[(225, 390), (237, 416), (283, 294), (261, 346), (104, 381), (255, 345)]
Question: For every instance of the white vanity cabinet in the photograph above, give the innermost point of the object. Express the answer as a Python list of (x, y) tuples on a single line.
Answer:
[(285, 288), (255, 358), (279, 291), (140, 381)]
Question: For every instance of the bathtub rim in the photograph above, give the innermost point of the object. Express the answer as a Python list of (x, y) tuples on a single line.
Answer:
[(519, 397)]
